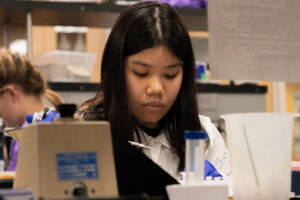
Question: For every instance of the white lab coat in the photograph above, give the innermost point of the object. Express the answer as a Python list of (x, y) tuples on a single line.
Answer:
[(160, 150)]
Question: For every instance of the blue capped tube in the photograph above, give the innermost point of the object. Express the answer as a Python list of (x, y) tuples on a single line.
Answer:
[(194, 156)]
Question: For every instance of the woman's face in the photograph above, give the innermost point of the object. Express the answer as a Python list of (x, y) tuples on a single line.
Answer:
[(153, 78)]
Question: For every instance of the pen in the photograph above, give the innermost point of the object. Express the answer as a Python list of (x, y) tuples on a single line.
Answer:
[(139, 145), (45, 112)]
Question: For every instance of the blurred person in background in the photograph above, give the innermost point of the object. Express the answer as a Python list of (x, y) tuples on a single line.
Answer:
[(22, 88)]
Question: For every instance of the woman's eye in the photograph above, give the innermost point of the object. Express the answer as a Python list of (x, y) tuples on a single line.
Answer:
[(170, 76), (140, 74)]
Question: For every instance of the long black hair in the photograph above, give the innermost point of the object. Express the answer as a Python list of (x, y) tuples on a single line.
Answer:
[(142, 26)]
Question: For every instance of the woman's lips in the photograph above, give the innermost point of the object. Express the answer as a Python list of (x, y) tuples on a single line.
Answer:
[(153, 106)]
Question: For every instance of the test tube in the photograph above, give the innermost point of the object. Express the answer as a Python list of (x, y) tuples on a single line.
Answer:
[(194, 156)]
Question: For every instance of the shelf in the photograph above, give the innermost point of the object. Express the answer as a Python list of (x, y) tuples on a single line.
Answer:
[(71, 87), (201, 87), (245, 88), (46, 13)]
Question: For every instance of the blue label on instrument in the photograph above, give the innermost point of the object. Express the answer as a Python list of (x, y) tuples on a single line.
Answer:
[(77, 166)]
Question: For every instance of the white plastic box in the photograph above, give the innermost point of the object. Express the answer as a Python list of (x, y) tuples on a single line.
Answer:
[(260, 150), (66, 66)]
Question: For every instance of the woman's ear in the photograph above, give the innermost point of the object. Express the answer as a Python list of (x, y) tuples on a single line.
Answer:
[(12, 92)]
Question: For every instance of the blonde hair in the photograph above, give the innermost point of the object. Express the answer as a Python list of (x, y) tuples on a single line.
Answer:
[(18, 70)]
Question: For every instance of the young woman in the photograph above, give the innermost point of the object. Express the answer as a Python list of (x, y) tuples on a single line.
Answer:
[(147, 88), (21, 90)]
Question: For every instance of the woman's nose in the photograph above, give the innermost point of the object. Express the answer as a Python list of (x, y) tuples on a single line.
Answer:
[(155, 86)]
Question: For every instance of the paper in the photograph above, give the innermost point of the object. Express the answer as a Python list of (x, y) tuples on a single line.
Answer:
[(254, 40)]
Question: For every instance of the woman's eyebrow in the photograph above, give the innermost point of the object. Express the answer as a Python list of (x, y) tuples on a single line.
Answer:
[(136, 62), (178, 64)]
